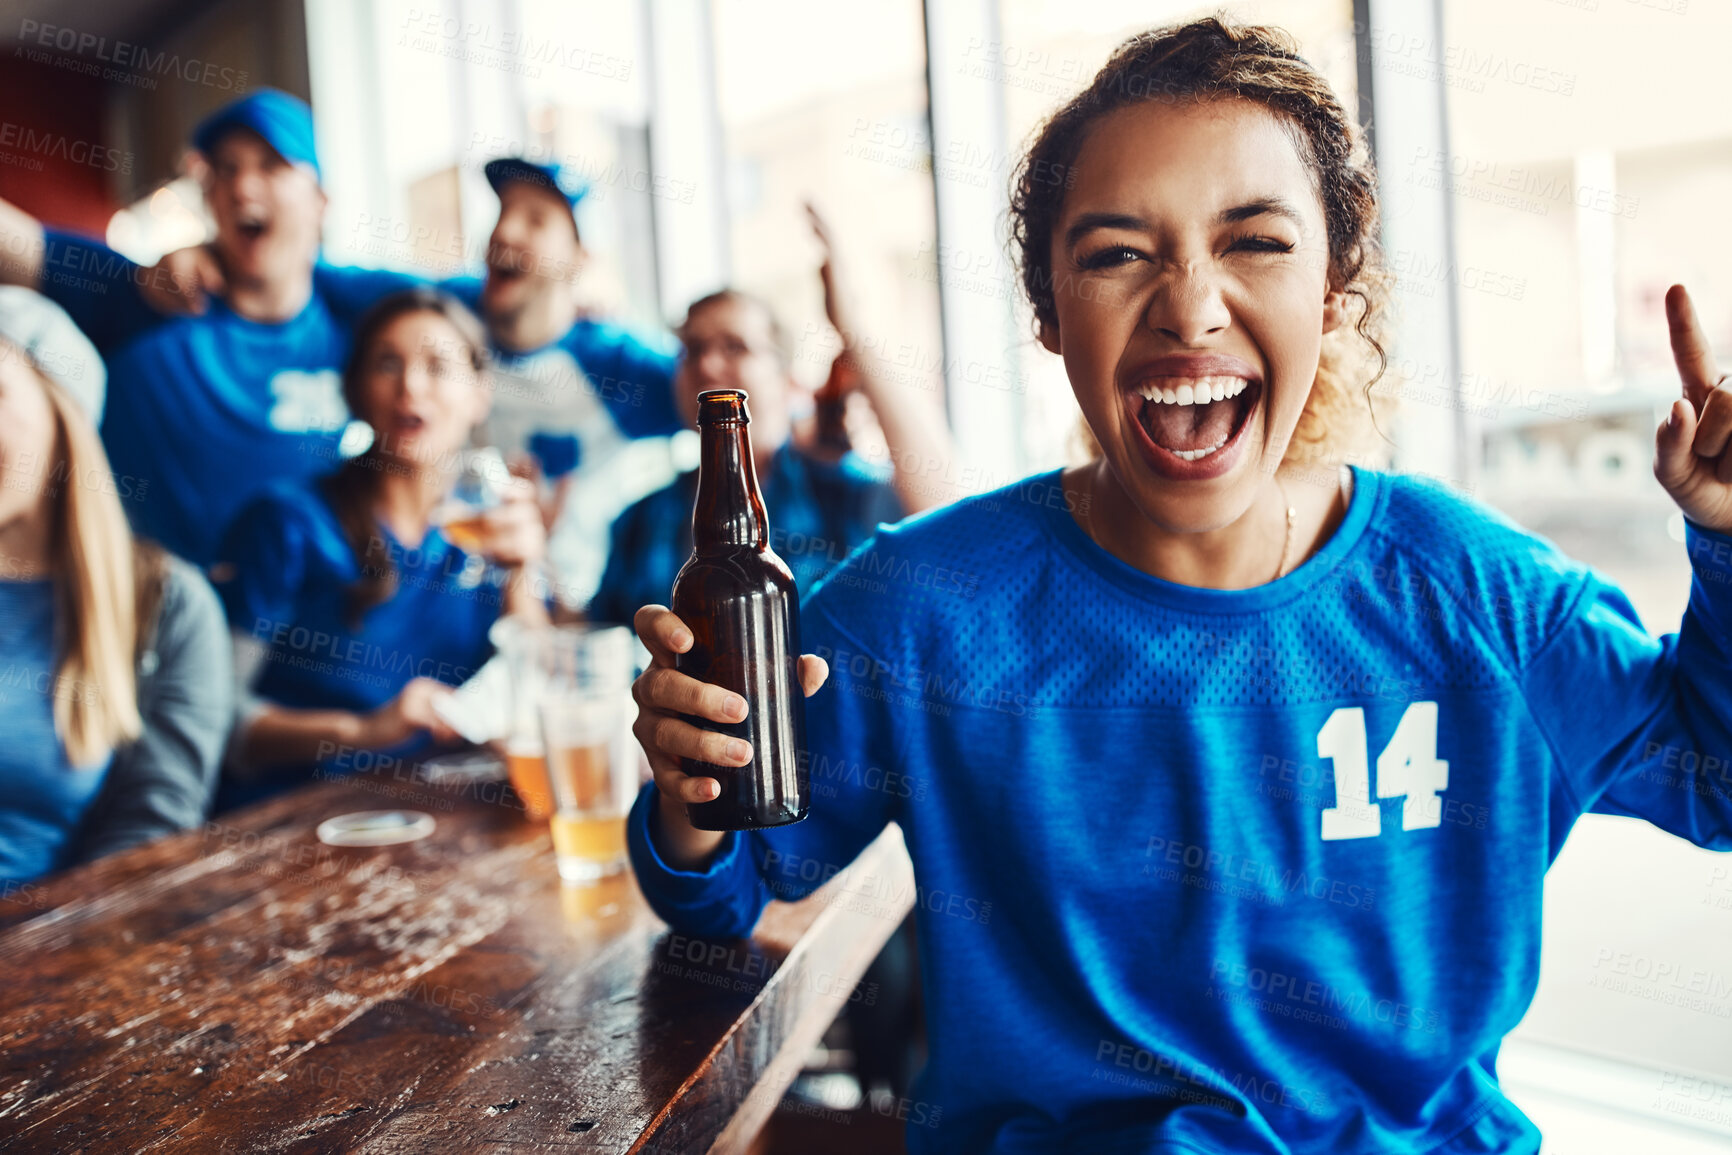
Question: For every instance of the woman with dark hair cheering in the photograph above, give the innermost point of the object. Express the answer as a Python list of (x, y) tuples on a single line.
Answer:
[(354, 610), (1231, 782)]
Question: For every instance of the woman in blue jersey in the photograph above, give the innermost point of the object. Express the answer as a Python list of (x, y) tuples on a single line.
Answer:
[(353, 609), (1230, 780)]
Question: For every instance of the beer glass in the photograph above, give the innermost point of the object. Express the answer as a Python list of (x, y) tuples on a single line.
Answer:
[(481, 480), (522, 647), (586, 713)]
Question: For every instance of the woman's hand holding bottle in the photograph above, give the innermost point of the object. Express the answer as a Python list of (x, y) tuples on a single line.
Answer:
[(665, 698)]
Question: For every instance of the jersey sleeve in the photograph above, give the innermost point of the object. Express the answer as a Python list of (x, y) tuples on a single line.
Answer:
[(97, 287), (633, 378), (261, 568), (466, 289), (857, 787), (349, 291), (1642, 726)]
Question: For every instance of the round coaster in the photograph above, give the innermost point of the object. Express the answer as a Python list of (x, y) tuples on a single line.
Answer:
[(375, 828)]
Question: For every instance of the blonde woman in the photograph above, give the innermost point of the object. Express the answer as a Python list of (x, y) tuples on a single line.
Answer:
[(115, 691)]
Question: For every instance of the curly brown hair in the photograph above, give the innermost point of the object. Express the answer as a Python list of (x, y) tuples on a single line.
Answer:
[(1210, 59)]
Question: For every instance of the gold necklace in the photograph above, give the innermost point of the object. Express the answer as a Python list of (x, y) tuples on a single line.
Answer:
[(1286, 542)]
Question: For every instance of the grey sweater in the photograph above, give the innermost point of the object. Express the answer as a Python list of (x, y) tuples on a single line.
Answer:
[(163, 782)]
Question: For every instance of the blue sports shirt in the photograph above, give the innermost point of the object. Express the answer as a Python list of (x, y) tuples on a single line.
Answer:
[(818, 514), (1213, 871), (286, 579), (203, 412)]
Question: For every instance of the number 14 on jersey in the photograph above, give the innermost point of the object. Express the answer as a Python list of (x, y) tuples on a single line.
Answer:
[(1408, 768)]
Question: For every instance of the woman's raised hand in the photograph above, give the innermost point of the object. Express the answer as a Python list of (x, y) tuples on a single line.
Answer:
[(1693, 446)]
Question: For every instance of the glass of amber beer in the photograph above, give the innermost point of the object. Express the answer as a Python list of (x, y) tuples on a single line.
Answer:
[(482, 476), (522, 647), (586, 710)]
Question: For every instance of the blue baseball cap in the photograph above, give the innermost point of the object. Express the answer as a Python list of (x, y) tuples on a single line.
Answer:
[(285, 122), (569, 187)]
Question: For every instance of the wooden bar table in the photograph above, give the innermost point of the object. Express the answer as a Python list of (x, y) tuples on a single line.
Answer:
[(245, 987)]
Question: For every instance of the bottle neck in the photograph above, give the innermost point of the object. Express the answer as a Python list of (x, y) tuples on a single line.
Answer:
[(730, 511)]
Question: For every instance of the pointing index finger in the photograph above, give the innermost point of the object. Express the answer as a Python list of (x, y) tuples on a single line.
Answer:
[(1690, 349)]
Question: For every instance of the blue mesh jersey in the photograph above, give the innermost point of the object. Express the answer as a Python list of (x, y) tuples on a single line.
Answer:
[(1209, 870)]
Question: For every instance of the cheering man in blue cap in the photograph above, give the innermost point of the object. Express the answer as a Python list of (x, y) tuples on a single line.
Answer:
[(569, 390), (206, 410)]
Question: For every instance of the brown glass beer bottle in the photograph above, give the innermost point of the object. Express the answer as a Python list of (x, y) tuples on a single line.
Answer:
[(738, 599)]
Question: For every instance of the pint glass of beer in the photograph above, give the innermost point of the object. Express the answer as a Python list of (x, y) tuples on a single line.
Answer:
[(586, 713), (523, 649)]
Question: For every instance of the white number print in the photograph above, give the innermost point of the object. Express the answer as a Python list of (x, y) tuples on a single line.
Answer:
[(1408, 768)]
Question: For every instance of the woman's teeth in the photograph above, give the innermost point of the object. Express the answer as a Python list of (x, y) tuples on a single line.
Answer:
[(1178, 414), (1193, 391), (1194, 454)]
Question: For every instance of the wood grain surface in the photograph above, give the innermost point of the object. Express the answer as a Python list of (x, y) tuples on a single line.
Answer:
[(245, 987)]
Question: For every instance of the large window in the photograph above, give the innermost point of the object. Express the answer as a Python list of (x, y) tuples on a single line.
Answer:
[(1588, 156), (826, 102), (446, 88)]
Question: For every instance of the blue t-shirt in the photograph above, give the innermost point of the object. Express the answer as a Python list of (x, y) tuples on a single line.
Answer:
[(818, 514), (1208, 871), (203, 412), (45, 796), (289, 588)]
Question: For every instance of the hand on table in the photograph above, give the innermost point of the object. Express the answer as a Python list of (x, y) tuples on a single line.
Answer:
[(408, 714)]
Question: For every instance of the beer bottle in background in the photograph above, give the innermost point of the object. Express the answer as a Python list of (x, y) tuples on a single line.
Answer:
[(831, 405), (738, 599)]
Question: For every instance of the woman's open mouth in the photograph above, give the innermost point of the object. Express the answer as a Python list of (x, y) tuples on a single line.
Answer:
[(1192, 427)]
